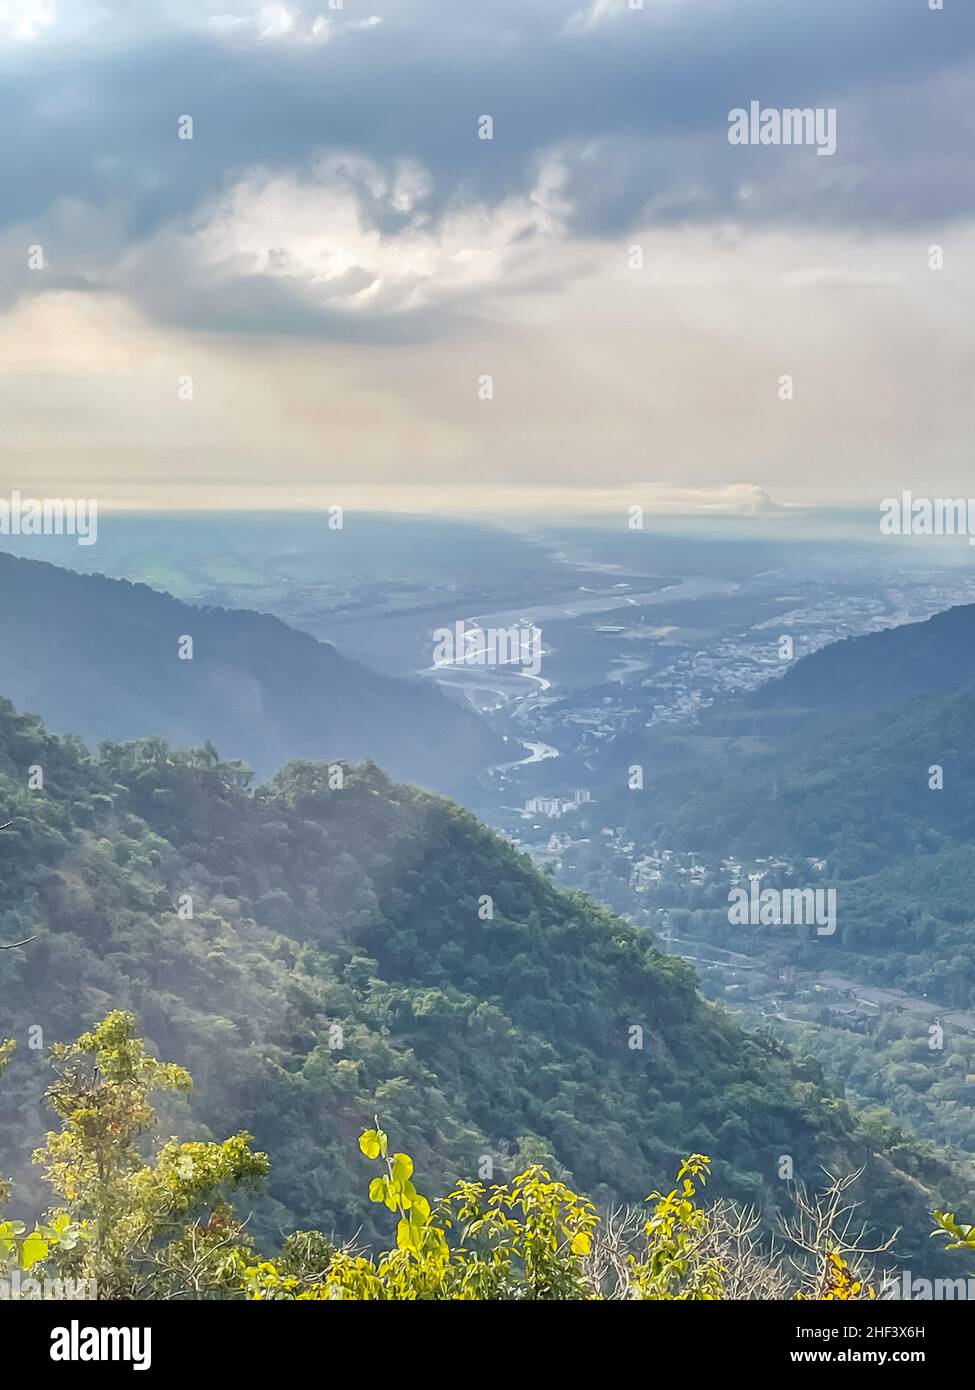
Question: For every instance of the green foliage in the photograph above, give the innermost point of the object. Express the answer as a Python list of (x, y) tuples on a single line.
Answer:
[(335, 966), (139, 1221), (166, 1228), (674, 1267), (959, 1236), (899, 854), (530, 1239)]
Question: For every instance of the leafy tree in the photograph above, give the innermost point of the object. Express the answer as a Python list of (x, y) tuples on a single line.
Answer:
[(164, 1226), (142, 1221)]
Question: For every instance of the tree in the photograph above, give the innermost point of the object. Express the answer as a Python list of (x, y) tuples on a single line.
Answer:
[(160, 1228), (161, 1224)]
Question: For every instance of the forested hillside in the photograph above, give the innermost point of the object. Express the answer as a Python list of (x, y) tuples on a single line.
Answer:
[(852, 785), (881, 668), (861, 753), (877, 803), (104, 658), (317, 954)]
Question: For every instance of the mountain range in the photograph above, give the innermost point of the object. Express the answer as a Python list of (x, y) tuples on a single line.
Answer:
[(881, 668), (856, 773), (320, 955), (108, 659), (321, 951)]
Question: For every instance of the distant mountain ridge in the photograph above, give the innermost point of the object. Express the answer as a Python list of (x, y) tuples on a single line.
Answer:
[(100, 657), (936, 656), (861, 757), (833, 759)]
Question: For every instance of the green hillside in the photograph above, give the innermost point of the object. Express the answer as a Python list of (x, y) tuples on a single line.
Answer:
[(848, 784), (341, 962)]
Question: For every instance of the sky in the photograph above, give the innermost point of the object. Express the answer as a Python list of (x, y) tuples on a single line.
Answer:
[(337, 292)]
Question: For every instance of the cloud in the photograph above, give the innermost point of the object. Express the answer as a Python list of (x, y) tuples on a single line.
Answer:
[(637, 103), (345, 247), (337, 258), (600, 13), (632, 381), (100, 25), (352, 235), (23, 21)]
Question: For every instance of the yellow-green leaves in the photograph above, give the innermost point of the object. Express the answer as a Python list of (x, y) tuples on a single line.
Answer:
[(402, 1167), (409, 1233), (961, 1236), (10, 1231), (34, 1248), (135, 1227), (23, 1251), (676, 1265), (396, 1189), (373, 1143)]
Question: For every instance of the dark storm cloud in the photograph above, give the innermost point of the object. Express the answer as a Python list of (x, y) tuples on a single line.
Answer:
[(636, 102)]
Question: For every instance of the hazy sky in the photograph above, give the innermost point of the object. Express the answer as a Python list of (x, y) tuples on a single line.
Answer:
[(336, 259)]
